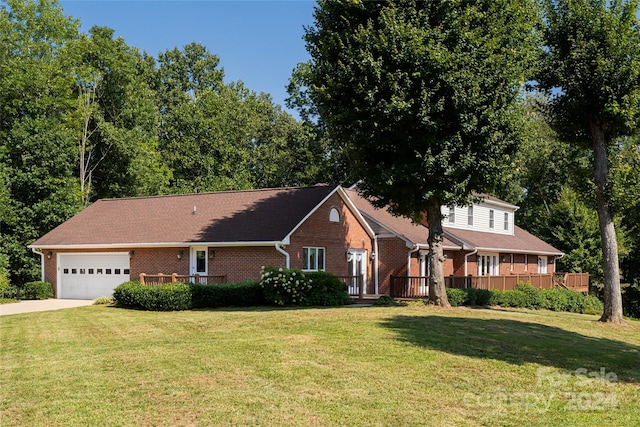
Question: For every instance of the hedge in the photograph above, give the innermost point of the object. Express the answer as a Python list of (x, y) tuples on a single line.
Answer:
[(184, 296), (526, 296), (36, 290), (285, 286)]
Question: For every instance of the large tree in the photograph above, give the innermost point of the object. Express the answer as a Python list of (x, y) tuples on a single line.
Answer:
[(592, 71), (425, 96)]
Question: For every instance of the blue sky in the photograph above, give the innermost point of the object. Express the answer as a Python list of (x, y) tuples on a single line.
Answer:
[(258, 42)]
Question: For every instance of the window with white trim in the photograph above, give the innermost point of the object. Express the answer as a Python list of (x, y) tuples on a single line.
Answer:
[(312, 259), (490, 218), (452, 214), (488, 264), (506, 220), (470, 215), (542, 265), (334, 215)]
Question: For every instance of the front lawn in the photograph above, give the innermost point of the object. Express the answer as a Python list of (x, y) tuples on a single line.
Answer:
[(348, 366)]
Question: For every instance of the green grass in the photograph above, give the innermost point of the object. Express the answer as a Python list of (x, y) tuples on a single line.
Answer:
[(382, 366)]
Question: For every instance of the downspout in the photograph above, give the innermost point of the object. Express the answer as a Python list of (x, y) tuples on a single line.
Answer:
[(279, 248), (37, 251), (466, 257), (376, 261)]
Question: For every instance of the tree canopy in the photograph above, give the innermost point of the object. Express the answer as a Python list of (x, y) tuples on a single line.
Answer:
[(425, 97)]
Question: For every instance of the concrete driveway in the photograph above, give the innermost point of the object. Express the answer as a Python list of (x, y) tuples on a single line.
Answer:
[(41, 305)]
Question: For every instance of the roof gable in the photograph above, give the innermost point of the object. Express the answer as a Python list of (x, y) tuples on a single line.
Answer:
[(232, 217)]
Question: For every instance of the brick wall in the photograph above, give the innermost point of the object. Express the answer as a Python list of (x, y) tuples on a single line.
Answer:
[(336, 237), (392, 259), (244, 263)]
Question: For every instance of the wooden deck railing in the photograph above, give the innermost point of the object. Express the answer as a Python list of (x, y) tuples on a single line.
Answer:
[(418, 286), (159, 279)]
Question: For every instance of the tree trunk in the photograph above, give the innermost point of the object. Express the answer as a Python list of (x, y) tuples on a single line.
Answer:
[(437, 291), (612, 295)]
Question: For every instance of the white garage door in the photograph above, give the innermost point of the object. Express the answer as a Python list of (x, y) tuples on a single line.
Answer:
[(89, 276)]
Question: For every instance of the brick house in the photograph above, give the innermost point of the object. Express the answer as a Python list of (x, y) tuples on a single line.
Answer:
[(231, 235), (226, 234)]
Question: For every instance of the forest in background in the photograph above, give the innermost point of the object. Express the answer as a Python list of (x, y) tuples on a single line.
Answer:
[(85, 116)]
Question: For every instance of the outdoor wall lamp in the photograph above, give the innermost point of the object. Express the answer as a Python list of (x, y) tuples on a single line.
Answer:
[(131, 254), (212, 253), (49, 254), (373, 256), (180, 253)]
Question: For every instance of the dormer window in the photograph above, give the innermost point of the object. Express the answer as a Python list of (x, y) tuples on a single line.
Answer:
[(452, 215), (491, 218), (334, 215), (506, 220), (470, 216)]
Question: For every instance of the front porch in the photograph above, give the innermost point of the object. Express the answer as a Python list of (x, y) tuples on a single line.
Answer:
[(418, 286)]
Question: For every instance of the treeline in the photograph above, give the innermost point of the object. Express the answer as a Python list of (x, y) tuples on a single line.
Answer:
[(85, 116)]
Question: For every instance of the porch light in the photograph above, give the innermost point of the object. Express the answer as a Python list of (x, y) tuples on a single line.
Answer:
[(180, 253), (373, 256), (212, 253), (49, 254), (131, 253)]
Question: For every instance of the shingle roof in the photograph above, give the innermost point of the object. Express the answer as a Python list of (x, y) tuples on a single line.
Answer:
[(520, 242), (400, 226), (267, 215)]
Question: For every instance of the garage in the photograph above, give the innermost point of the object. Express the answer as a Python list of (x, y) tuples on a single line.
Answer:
[(89, 276)]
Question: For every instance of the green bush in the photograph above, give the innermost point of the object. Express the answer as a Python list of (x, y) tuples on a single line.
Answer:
[(103, 301), (36, 290), (6, 290), (242, 294), (167, 297), (456, 297), (326, 290), (534, 297), (284, 286)]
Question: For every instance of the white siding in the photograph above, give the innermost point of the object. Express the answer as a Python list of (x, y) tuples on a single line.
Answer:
[(480, 218)]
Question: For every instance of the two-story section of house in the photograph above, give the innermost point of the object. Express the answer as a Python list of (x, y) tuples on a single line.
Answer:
[(480, 240), (491, 244)]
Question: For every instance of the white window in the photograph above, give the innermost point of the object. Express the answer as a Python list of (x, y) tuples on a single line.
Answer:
[(470, 216), (511, 265), (506, 220), (313, 259), (488, 265), (452, 215), (542, 265), (490, 218), (334, 215)]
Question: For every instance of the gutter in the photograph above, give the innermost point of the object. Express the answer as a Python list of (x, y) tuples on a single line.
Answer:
[(466, 257), (376, 261), (39, 252), (287, 259)]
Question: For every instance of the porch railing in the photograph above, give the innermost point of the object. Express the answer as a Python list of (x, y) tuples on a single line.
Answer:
[(418, 286), (159, 279)]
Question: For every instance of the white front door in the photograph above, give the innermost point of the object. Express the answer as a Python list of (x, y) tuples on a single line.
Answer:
[(357, 259), (198, 262)]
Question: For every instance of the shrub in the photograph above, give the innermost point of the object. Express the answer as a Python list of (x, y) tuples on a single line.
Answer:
[(103, 301), (326, 290), (456, 297), (166, 297), (534, 297), (6, 290), (242, 294), (284, 286), (36, 290)]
